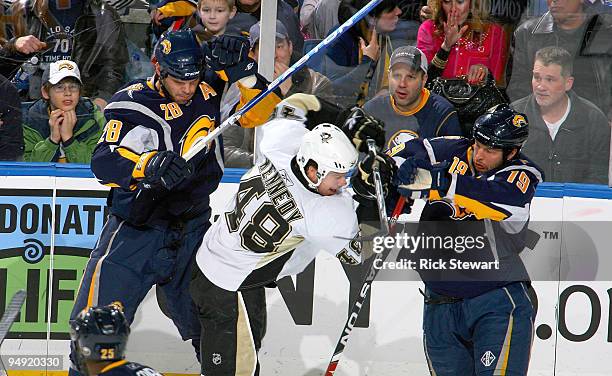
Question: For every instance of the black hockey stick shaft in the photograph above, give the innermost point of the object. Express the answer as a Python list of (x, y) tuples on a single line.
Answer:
[(363, 294), (365, 85)]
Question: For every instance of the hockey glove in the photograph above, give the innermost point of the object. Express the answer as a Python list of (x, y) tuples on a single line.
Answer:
[(415, 178), (358, 127), (229, 55), (308, 109), (363, 181), (166, 170)]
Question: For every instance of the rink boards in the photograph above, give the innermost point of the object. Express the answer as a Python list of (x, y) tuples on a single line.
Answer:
[(50, 219)]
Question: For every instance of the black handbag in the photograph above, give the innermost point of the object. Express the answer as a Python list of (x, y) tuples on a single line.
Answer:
[(471, 101)]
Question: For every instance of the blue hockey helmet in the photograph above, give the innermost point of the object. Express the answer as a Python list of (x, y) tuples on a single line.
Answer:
[(179, 55), (501, 127), (99, 334)]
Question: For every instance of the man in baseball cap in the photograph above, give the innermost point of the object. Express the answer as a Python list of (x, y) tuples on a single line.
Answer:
[(411, 110), (411, 56), (62, 126), (255, 33)]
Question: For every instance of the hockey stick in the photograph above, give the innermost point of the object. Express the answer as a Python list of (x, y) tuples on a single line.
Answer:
[(11, 312), (202, 143), (365, 85), (363, 294), (378, 187), (367, 282), (9, 316)]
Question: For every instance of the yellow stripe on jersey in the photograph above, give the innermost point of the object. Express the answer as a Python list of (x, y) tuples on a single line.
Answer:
[(113, 365), (128, 154), (141, 164), (177, 9), (479, 209), (261, 112), (222, 75)]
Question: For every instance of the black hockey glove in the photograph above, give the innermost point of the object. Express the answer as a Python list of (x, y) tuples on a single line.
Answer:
[(307, 108), (358, 127), (363, 181), (166, 170), (229, 54)]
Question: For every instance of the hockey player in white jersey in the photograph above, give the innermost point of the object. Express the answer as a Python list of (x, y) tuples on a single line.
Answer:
[(289, 206)]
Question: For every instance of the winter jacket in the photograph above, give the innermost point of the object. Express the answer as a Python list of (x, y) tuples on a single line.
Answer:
[(99, 47), (589, 44), (11, 131), (87, 132), (581, 148)]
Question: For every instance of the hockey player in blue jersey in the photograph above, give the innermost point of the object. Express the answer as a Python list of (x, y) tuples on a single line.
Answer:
[(476, 322), (159, 202), (98, 337)]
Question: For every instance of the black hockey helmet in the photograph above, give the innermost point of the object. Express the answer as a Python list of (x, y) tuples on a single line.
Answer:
[(99, 334), (179, 55), (501, 127)]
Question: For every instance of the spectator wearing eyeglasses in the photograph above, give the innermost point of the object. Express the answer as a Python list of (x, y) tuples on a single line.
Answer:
[(62, 126)]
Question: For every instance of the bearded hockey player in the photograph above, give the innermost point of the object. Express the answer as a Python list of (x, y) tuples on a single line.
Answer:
[(159, 202), (476, 321), (98, 337), (289, 206)]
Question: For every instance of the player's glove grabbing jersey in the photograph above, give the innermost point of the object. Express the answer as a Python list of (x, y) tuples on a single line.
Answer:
[(494, 205)]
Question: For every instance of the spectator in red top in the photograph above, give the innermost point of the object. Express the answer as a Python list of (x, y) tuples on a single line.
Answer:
[(458, 43)]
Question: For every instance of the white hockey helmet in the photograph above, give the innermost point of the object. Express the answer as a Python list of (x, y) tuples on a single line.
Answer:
[(330, 149)]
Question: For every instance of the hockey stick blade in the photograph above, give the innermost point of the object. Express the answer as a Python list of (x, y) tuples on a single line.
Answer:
[(11, 312), (202, 143), (363, 294)]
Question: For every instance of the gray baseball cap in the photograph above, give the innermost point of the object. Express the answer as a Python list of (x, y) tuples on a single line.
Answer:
[(411, 56), (255, 31)]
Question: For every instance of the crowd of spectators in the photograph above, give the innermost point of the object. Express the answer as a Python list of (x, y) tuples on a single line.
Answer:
[(61, 61)]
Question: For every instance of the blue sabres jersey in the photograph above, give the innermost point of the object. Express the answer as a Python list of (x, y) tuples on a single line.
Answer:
[(494, 204), (141, 119), (125, 368)]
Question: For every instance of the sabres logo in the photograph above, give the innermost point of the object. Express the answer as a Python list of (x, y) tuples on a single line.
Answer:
[(117, 304), (166, 46), (65, 66), (519, 121)]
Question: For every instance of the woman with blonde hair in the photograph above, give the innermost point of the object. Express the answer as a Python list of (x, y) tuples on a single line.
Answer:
[(459, 42)]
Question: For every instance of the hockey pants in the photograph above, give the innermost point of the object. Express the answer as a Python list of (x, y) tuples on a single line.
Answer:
[(490, 334), (127, 261), (233, 325)]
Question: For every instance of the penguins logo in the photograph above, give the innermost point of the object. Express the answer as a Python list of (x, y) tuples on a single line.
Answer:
[(325, 137)]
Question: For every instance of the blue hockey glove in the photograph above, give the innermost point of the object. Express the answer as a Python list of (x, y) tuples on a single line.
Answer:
[(229, 54), (415, 178), (166, 169)]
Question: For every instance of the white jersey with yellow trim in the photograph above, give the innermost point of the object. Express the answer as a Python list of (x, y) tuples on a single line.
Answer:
[(274, 226)]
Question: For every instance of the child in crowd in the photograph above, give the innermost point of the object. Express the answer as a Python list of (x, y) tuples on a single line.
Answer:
[(62, 126), (213, 17)]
